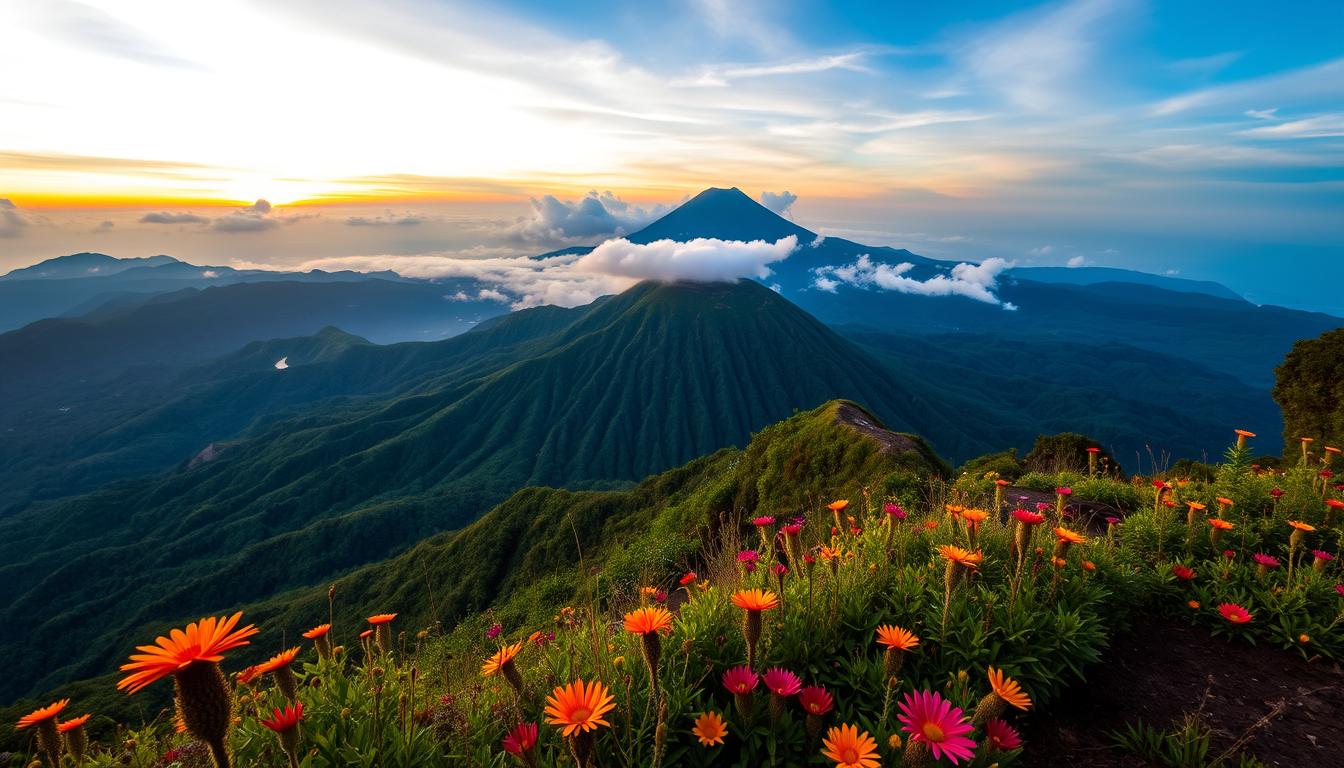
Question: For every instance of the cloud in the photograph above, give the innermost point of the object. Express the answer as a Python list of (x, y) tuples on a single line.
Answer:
[(569, 221), (12, 221), (1075, 262), (408, 220), (1316, 127), (701, 259), (253, 218), (724, 75), (484, 294), (1041, 250), (1263, 114), (973, 281), (261, 206), (164, 217), (779, 202)]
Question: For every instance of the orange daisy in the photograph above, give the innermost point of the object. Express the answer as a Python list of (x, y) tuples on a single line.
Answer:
[(282, 659), (974, 516), (755, 599), (850, 748), (963, 557), (202, 641), (710, 729), (1195, 505), (1008, 689), (43, 714), (1221, 524), (579, 707), (838, 506), (501, 657), (319, 631), (72, 723), (643, 621), (1072, 537), (1301, 526), (896, 637), (382, 618)]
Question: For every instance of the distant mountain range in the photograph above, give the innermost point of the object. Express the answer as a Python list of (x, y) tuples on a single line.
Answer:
[(261, 440)]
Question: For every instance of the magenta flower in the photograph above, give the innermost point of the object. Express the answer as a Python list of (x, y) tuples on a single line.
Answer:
[(1268, 561), (782, 682), (780, 569), (740, 680), (1063, 490), (1229, 553), (1276, 492), (816, 701), (1319, 555), (894, 511), (1001, 736), (521, 739), (748, 556), (792, 529), (763, 521), (1339, 588), (930, 718), (493, 631), (1112, 520), (1041, 506), (1029, 518)]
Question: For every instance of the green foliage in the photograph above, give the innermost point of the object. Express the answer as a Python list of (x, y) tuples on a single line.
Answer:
[(1004, 464), (1309, 387), (1067, 452)]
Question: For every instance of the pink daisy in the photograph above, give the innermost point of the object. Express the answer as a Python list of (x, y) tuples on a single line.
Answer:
[(782, 682), (930, 718), (1001, 736)]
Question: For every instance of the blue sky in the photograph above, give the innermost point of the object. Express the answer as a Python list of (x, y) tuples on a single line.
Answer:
[(1205, 139)]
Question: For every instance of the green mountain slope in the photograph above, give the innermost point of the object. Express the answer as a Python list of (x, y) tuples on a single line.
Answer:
[(638, 383)]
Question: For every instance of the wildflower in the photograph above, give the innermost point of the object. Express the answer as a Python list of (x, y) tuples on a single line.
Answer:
[(1241, 438), (836, 508), (687, 579), (764, 521), (1005, 691), (1063, 538), (48, 737), (1216, 527), (521, 742), (897, 641), (1332, 506), (782, 684), (741, 681), (248, 674), (1058, 562), (578, 710), (973, 518), (1321, 559), (710, 729), (963, 557), (849, 748), (1088, 565), (894, 511), (1063, 490), (1339, 589), (748, 558), (660, 596), (76, 739), (1304, 638), (493, 631), (501, 661), (1276, 493), (1235, 613), (934, 726), (1182, 572), (1001, 736), (816, 703), (192, 657), (285, 723), (1264, 562), (1194, 509), (278, 668), (1194, 605), (1300, 529), (320, 640), (1229, 554), (382, 630), (648, 623), (753, 601)]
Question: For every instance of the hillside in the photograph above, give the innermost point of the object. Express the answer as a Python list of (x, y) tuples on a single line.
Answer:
[(639, 383)]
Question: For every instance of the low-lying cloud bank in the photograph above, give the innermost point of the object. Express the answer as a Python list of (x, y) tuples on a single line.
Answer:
[(572, 280), (974, 281), (597, 214)]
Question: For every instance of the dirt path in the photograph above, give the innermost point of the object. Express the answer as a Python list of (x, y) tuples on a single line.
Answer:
[(1288, 711)]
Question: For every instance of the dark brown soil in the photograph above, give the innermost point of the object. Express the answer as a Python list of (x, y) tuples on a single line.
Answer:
[(1286, 711)]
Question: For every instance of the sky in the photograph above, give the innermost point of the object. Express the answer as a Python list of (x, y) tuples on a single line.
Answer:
[(1204, 140)]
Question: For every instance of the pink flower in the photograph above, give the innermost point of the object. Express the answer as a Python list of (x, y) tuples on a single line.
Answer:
[(930, 718), (1229, 553), (894, 511), (1276, 493), (1112, 520), (1235, 613), (1183, 573), (763, 521), (521, 739), (660, 595), (780, 569), (1041, 506), (816, 701), (1063, 490), (782, 682), (1339, 588), (1029, 518), (688, 578), (493, 631), (1268, 561), (1319, 555), (792, 529), (1001, 735), (740, 680)]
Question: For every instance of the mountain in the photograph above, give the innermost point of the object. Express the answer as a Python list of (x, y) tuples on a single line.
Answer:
[(84, 265), (1094, 275), (726, 214), (635, 384)]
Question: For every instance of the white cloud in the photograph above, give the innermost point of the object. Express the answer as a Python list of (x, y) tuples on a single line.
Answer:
[(779, 202), (703, 259), (973, 281), (1076, 261), (724, 75), (1263, 114), (1316, 127), (595, 215), (1041, 250), (167, 217), (12, 221)]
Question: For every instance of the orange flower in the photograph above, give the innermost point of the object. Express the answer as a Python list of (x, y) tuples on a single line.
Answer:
[(249, 674), (1195, 505), (838, 506), (974, 516), (202, 641), (1088, 565), (896, 637), (282, 659), (961, 556), (1244, 433), (1301, 526), (1226, 502), (830, 553), (710, 729), (643, 621), (579, 707), (1008, 689), (72, 723), (48, 712), (1071, 537), (382, 618), (319, 631), (755, 599), (365, 633), (849, 748), (1221, 524), (501, 657), (1194, 605)]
